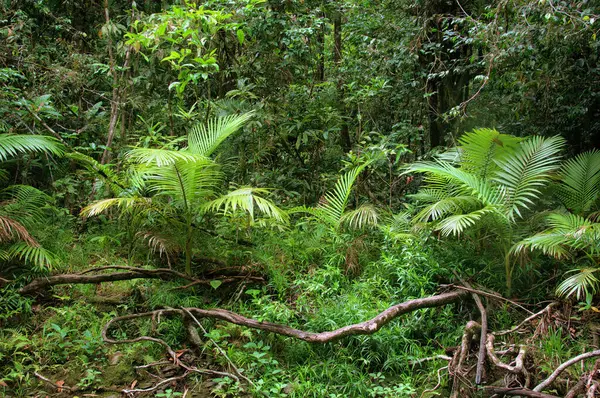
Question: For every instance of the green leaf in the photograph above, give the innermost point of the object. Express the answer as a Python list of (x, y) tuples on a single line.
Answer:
[(215, 283)]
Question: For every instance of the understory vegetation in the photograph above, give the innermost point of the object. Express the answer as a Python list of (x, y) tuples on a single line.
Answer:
[(273, 198)]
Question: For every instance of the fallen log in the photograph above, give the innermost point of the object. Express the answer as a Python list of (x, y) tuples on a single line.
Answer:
[(129, 273)]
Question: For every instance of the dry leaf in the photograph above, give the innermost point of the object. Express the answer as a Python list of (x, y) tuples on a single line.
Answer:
[(60, 383), (3, 384), (133, 384)]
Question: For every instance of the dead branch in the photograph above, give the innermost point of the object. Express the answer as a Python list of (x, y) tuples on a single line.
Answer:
[(51, 383), (503, 391), (364, 328), (157, 385), (419, 361), (526, 320), (482, 334), (130, 273), (488, 294), (540, 387)]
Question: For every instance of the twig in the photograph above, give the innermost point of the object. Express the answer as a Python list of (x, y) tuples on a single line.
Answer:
[(157, 385), (47, 380), (487, 294), (526, 320), (433, 358), (235, 369), (439, 376), (540, 387)]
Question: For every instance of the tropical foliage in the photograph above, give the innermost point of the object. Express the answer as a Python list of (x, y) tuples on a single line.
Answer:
[(191, 191)]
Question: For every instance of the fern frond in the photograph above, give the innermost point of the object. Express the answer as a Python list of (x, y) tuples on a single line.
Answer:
[(204, 139)]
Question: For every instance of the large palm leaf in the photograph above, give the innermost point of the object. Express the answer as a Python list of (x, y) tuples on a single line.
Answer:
[(332, 207), (204, 139), (249, 200), (481, 149), (579, 187), (523, 173), (14, 144)]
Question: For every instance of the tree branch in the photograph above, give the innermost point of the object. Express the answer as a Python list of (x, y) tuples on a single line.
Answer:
[(131, 273), (364, 328), (546, 383)]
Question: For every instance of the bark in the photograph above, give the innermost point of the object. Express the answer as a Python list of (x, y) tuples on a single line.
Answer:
[(364, 328)]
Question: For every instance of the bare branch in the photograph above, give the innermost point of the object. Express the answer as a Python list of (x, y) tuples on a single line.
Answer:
[(364, 328), (526, 320), (546, 383)]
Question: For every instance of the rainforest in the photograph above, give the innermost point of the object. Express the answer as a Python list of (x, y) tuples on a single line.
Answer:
[(300, 198)]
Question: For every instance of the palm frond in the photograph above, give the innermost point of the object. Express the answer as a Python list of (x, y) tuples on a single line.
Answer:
[(583, 281), (523, 173), (579, 187), (248, 200), (551, 244), (336, 200), (458, 223), (35, 255), (482, 148), (100, 206), (11, 230), (14, 144), (364, 215), (204, 139), (159, 244), (24, 203), (567, 233), (104, 171), (466, 183), (161, 157), (450, 205), (185, 182)]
